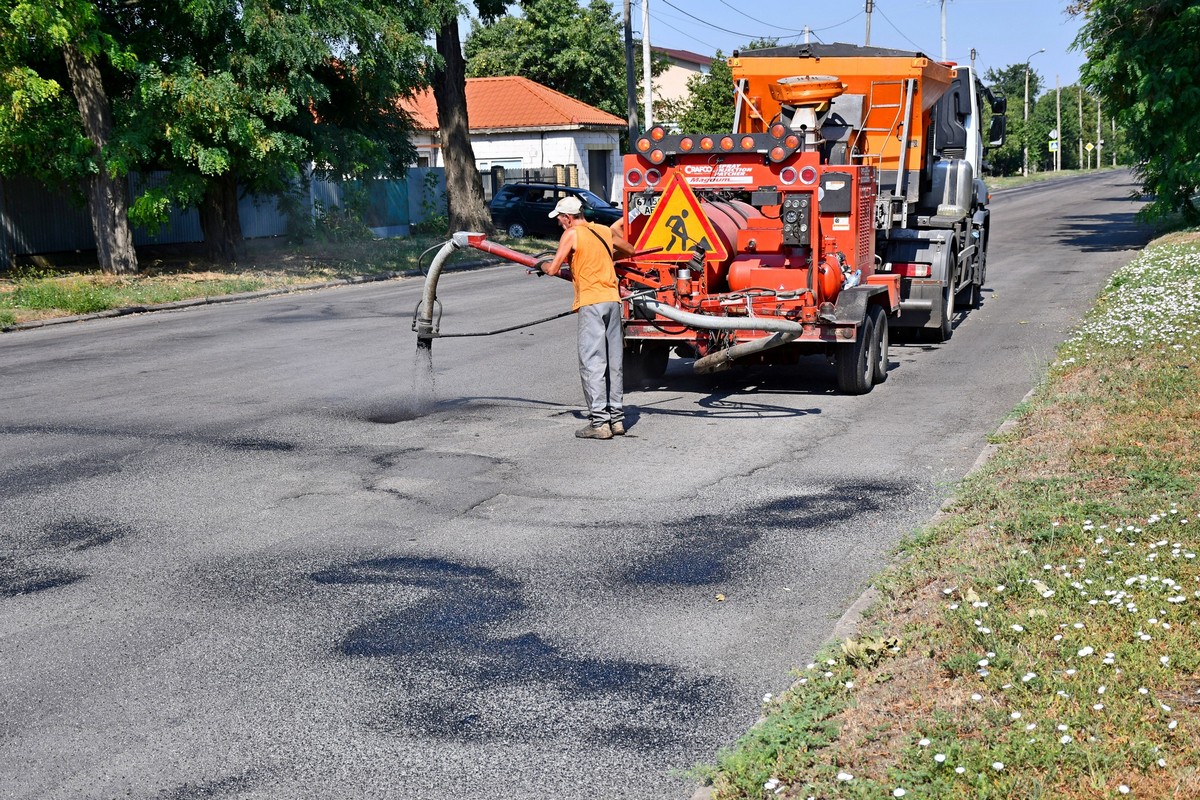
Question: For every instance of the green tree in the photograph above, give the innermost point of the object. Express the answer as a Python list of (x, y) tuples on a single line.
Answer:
[(61, 138), (710, 101), (225, 95), (242, 95), (708, 106), (1142, 61), (448, 77), (558, 43), (1010, 81)]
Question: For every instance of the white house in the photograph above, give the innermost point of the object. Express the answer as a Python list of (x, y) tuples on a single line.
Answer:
[(519, 124)]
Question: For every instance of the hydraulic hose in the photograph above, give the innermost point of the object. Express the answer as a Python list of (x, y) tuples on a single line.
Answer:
[(710, 323), (785, 331)]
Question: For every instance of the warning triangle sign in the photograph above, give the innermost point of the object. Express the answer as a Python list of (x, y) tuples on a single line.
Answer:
[(678, 226)]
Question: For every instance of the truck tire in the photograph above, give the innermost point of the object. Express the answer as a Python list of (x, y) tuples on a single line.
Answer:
[(975, 298), (946, 329), (855, 362), (654, 361), (631, 367), (879, 344)]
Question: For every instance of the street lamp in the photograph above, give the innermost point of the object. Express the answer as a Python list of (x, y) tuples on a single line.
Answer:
[(1025, 130)]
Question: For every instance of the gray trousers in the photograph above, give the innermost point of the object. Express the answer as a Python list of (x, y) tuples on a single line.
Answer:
[(601, 351)]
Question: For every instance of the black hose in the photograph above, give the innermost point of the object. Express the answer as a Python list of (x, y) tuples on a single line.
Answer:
[(502, 330), (420, 258)]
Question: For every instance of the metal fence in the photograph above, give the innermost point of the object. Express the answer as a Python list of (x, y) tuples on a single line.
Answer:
[(38, 220)]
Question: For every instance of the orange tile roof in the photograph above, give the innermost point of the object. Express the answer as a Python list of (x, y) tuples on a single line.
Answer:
[(512, 103)]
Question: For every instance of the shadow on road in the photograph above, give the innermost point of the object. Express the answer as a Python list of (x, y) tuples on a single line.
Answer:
[(1104, 233)]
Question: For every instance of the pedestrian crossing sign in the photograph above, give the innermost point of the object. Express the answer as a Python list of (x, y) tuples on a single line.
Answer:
[(677, 226)]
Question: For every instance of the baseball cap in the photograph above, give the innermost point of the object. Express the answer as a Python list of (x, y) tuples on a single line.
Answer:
[(569, 206)]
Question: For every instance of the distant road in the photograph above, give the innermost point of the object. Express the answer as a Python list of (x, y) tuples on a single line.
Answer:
[(233, 565)]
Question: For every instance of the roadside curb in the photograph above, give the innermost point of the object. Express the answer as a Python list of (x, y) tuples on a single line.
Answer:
[(242, 296), (848, 624)]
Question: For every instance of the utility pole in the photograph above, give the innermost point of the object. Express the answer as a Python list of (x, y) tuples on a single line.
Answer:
[(630, 79), (1081, 126), (1058, 123), (943, 30), (1099, 134), (1025, 131), (870, 8), (648, 89), (974, 53)]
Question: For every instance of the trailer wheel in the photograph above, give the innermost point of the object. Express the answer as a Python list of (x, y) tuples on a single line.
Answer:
[(879, 344), (654, 361), (855, 361), (631, 367)]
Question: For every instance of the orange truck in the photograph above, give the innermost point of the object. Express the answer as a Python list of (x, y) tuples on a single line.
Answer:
[(846, 201)]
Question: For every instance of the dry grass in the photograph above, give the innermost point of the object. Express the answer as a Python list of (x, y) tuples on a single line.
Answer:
[(1047, 624), (70, 283)]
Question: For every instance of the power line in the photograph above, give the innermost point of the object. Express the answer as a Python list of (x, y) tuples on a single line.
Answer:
[(660, 20), (709, 24), (752, 19), (897, 30)]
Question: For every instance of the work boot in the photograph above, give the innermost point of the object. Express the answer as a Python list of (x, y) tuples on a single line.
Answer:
[(589, 431), (618, 428)]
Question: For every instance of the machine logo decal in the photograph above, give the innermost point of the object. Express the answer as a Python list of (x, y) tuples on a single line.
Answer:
[(677, 226)]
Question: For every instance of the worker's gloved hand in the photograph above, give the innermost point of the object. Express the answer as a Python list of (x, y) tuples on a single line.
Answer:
[(537, 269)]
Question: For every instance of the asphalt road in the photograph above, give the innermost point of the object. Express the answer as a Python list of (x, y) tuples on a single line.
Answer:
[(247, 551)]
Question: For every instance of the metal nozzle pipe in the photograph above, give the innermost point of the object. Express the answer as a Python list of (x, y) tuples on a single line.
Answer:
[(423, 321), (723, 359)]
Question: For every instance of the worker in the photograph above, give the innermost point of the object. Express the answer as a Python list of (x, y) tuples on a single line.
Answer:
[(588, 250)]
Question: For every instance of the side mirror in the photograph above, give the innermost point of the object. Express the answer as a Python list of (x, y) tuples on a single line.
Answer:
[(997, 101), (997, 129)]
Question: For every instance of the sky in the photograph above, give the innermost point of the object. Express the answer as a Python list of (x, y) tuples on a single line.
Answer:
[(1002, 32)]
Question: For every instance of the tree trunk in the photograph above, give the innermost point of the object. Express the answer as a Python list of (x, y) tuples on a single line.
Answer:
[(219, 219), (106, 193), (464, 188)]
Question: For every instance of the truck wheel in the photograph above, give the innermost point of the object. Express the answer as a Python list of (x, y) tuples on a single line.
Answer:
[(976, 298), (631, 367), (855, 364), (879, 344), (654, 361), (944, 332)]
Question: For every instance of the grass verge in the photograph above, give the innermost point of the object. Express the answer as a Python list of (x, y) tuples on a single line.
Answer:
[(1038, 640), (63, 288)]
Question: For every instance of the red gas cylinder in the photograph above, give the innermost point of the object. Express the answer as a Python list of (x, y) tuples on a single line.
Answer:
[(727, 218)]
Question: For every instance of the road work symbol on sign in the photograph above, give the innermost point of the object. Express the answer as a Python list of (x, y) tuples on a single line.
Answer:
[(677, 226)]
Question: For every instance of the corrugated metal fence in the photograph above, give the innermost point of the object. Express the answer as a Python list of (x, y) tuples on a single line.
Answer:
[(37, 220)]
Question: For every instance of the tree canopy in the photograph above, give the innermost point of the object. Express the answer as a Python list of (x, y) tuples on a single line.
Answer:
[(1142, 60), (223, 94), (558, 43), (708, 107), (1008, 159)]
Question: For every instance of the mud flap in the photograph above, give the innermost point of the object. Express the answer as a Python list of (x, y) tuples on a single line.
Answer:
[(851, 306), (920, 299)]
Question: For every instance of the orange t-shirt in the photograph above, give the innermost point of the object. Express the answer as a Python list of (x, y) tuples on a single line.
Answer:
[(592, 270)]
